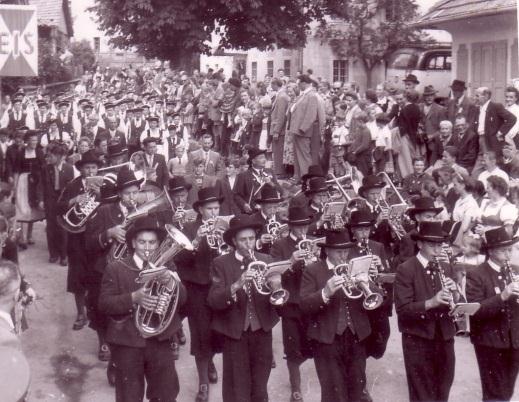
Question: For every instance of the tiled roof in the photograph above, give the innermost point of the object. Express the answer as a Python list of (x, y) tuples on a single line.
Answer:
[(49, 13), (448, 10)]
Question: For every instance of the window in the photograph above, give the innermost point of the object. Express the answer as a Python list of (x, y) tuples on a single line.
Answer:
[(286, 67), (404, 61), (340, 70), (254, 70), (439, 62), (270, 68)]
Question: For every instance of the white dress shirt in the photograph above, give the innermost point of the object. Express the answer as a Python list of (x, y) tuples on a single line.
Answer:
[(482, 116)]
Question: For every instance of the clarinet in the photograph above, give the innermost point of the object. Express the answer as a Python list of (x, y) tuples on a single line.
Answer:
[(510, 275)]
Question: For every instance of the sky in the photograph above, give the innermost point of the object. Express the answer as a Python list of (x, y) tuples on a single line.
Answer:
[(86, 28)]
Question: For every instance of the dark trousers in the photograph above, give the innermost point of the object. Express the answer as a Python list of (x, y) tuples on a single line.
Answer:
[(246, 367), (341, 368), (498, 370), (225, 139), (429, 366), (56, 235), (154, 363), (98, 319)]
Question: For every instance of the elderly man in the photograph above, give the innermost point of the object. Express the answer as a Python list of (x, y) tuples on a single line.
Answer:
[(431, 116), (511, 98), (114, 133), (306, 123), (442, 139), (460, 104)]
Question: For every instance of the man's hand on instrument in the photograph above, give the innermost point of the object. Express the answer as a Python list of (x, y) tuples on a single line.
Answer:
[(450, 285), (247, 208), (266, 238), (443, 297), (243, 279), (332, 285), (376, 262), (512, 289), (141, 298), (117, 233), (298, 255)]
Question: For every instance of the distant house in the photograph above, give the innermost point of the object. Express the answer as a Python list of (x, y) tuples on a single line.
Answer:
[(484, 40), (54, 22)]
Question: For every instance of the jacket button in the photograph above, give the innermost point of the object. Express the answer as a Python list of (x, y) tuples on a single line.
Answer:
[(422, 317), (228, 302)]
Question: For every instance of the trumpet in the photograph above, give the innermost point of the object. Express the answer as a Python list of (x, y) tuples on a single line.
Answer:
[(275, 228), (357, 287), (308, 246), (213, 230), (260, 282)]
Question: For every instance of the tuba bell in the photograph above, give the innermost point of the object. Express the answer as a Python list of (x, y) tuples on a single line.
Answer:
[(161, 283), (161, 203)]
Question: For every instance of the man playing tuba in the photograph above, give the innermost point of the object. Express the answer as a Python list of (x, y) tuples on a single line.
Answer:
[(138, 359)]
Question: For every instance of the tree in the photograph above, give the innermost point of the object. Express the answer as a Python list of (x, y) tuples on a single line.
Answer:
[(174, 30), (372, 31), (82, 54)]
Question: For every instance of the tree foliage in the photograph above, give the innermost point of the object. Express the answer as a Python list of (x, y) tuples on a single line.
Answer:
[(367, 35), (174, 29), (82, 54)]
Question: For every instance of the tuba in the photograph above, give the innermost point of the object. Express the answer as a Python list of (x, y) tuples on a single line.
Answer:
[(357, 287), (278, 296), (161, 283), (162, 202), (75, 219)]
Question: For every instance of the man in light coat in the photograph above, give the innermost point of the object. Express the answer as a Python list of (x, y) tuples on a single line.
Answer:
[(278, 119)]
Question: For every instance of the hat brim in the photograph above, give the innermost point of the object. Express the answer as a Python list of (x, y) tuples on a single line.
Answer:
[(365, 188), (269, 200), (180, 188), (432, 239), (132, 232), (336, 246), (361, 224), (124, 151), (413, 211), (319, 190), (231, 232), (80, 163), (136, 182), (505, 243), (414, 81), (109, 199), (308, 176), (298, 222), (199, 203), (261, 151)]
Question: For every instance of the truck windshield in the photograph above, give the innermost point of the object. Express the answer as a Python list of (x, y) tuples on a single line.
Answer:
[(404, 61)]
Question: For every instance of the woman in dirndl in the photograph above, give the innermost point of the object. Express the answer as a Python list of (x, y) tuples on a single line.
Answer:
[(30, 164)]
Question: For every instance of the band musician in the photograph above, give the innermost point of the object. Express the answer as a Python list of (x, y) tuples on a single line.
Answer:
[(494, 329), (269, 203), (424, 294), (137, 358), (296, 345), (337, 325), (243, 316)]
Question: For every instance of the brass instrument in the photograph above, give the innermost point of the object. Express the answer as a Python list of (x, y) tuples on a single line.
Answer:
[(276, 228), (161, 283), (357, 287), (213, 230), (332, 213), (75, 219), (511, 275), (308, 246), (351, 202), (395, 213), (161, 203), (278, 296)]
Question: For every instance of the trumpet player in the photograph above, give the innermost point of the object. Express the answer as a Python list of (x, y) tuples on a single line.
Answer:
[(494, 328), (178, 190), (295, 342), (361, 224), (269, 203), (193, 268), (76, 192), (337, 325), (102, 230), (318, 191), (138, 359), (424, 294), (243, 316)]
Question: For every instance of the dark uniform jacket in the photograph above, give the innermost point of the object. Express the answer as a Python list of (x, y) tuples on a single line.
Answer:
[(247, 185), (96, 239), (50, 193), (323, 317), (412, 288), (115, 300), (496, 323), (159, 163), (497, 119), (258, 217), (229, 312)]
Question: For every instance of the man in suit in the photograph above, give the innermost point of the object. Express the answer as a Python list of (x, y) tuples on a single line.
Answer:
[(198, 180), (56, 175), (4, 145), (492, 122), (139, 360), (300, 199), (337, 325), (306, 122), (269, 202), (424, 294), (115, 135), (14, 368), (494, 328), (226, 187), (296, 345), (460, 103), (467, 143), (243, 316), (193, 269), (278, 118), (213, 162), (431, 116), (64, 118), (15, 117), (42, 116), (154, 160), (136, 126), (249, 183)]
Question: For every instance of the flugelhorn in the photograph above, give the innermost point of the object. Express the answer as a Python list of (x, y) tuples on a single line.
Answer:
[(308, 246), (276, 228), (160, 282), (357, 287)]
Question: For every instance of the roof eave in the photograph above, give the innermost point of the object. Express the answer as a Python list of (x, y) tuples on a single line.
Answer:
[(433, 23)]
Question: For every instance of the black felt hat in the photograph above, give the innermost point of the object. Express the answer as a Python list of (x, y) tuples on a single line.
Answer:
[(238, 223)]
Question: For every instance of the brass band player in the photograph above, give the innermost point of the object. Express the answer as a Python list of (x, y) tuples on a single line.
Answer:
[(243, 316), (193, 268), (137, 358), (337, 325), (494, 328), (424, 294), (296, 345), (318, 191), (269, 203)]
